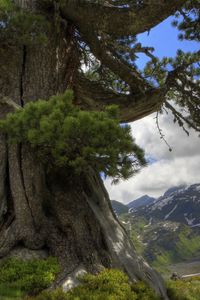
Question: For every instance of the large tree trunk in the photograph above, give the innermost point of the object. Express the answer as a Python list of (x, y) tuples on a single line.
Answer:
[(68, 216)]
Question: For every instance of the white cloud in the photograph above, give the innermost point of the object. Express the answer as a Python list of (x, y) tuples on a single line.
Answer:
[(181, 166)]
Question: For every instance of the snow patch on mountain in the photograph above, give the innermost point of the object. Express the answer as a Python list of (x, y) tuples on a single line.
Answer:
[(161, 203), (173, 209), (178, 204), (196, 225), (149, 224), (198, 188), (190, 221)]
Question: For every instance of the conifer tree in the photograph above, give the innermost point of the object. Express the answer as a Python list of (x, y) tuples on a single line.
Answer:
[(51, 194)]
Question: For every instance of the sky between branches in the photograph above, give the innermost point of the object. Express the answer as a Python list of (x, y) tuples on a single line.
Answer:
[(165, 169)]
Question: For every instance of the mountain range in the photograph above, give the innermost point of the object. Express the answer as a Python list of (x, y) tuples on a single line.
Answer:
[(166, 230), (120, 208), (142, 201), (178, 204)]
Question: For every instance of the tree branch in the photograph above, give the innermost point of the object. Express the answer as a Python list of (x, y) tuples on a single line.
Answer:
[(119, 21), (93, 96), (127, 73), (181, 117)]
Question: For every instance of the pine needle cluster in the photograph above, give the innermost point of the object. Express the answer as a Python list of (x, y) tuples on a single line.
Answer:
[(64, 135)]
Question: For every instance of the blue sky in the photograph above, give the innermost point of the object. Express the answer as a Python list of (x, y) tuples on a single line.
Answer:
[(164, 38)]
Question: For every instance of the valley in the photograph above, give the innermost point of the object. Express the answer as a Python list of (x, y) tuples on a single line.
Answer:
[(166, 231)]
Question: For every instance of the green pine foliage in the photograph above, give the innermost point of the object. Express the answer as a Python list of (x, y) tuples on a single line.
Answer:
[(30, 277), (187, 245), (156, 70), (5, 5), (21, 28), (107, 285), (64, 135), (188, 21), (8, 293), (162, 260)]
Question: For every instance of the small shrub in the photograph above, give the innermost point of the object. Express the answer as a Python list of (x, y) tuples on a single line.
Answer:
[(144, 292), (185, 289), (107, 285), (57, 294), (66, 136), (28, 276)]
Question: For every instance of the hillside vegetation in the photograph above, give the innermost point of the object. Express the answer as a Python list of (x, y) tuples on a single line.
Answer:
[(27, 281), (184, 289), (165, 231)]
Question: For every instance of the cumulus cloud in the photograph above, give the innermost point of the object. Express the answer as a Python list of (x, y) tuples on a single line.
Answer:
[(166, 169)]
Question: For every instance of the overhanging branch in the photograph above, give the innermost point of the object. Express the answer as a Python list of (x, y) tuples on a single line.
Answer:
[(119, 21), (179, 116), (93, 96), (127, 73)]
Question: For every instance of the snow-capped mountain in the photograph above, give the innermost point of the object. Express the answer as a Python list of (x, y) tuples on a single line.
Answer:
[(166, 230), (142, 201), (179, 204)]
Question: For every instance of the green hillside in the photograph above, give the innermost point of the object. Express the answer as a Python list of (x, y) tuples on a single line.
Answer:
[(163, 243), (119, 208)]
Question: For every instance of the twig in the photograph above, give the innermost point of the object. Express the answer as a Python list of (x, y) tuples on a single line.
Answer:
[(160, 132)]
